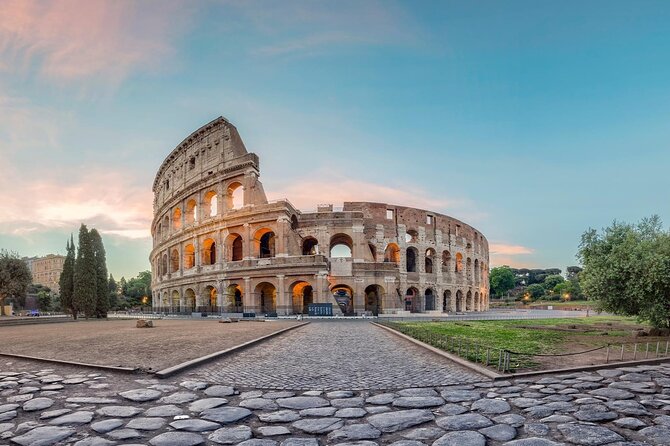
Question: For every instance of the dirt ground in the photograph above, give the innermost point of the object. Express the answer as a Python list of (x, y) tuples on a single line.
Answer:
[(120, 343)]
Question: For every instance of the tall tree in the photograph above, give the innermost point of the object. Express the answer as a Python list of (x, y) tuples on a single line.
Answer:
[(113, 292), (66, 281), (627, 269), (501, 280), (14, 277), (85, 290), (102, 292)]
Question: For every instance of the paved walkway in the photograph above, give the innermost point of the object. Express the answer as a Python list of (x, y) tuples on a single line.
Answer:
[(352, 355)]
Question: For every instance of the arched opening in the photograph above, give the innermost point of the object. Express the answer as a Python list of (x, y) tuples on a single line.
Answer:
[(176, 219), (446, 301), (175, 302), (477, 304), (159, 231), (267, 297), (166, 226), (234, 247), (412, 300), (165, 301), (211, 203), (343, 295), (310, 246), (411, 236), (446, 260), (476, 270), (373, 252), (174, 260), (430, 255), (191, 212), (341, 245), (468, 271), (164, 265), (265, 241), (373, 299), (211, 295), (459, 301), (235, 196), (412, 254), (189, 300), (302, 295), (234, 302), (430, 300), (189, 256), (458, 267), (208, 252), (392, 254), (294, 222), (468, 301)]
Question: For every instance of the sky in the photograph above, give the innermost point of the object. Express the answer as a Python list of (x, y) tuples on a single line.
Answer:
[(530, 120)]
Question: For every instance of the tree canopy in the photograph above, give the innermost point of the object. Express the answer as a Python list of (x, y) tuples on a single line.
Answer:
[(627, 269), (15, 277), (501, 280)]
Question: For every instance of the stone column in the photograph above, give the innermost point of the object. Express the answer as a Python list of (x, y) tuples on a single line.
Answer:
[(282, 306), (359, 297), (283, 228), (248, 243), (360, 244)]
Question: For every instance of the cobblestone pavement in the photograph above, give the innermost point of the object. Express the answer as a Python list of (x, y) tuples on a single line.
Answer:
[(42, 406), (353, 355)]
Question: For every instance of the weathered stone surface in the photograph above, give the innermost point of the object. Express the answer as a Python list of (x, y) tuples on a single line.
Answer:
[(536, 429), (219, 391), (8, 407), (318, 412), (318, 425), (178, 398), (259, 404), (54, 413), (532, 441), (230, 435), (499, 432), (347, 402), (146, 423), (9, 415), (402, 419), (118, 411), (141, 395), (177, 439), (300, 441), (225, 415), (168, 410), (418, 402), (595, 415), (194, 385), (104, 426), (271, 431), (629, 423), (424, 433), (206, 403), (381, 399), (340, 394), (124, 434), (657, 435), (491, 406), (512, 419), (457, 395), (278, 394), (351, 412), (587, 434), (94, 441), (91, 400), (461, 438), (73, 419), (355, 432), (615, 394), (195, 425), (37, 404), (463, 422), (43, 436), (302, 402), (280, 416), (453, 409)]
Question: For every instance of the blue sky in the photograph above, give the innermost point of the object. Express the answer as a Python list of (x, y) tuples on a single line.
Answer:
[(532, 121)]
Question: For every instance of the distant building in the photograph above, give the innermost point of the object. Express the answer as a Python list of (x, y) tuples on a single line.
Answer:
[(46, 270)]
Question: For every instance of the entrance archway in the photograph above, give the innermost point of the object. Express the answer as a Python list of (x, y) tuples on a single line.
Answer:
[(446, 301), (468, 301), (267, 297), (373, 299), (412, 300), (212, 295), (344, 296), (175, 302), (189, 300), (302, 295), (430, 300), (459, 301), (234, 299)]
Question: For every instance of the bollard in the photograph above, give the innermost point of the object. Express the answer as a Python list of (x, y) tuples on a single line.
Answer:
[(646, 351), (658, 344), (607, 358), (666, 347), (621, 359), (635, 352)]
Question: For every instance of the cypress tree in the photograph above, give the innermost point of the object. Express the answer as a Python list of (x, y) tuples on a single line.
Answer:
[(113, 291), (66, 281), (85, 290), (102, 294)]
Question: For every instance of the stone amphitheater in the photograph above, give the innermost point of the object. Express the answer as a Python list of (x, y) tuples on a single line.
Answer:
[(220, 246)]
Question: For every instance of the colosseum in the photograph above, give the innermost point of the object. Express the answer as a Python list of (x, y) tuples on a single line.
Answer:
[(220, 246)]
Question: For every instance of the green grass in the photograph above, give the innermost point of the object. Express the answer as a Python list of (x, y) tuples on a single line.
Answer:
[(571, 303)]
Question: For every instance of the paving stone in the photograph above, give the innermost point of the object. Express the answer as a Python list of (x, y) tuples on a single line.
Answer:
[(499, 432), (402, 419), (512, 419), (452, 409), (194, 385), (230, 435), (280, 416), (532, 441), (9, 415), (37, 404), (457, 396), (377, 409), (421, 391), (615, 394), (595, 415), (91, 400), (178, 398), (164, 387), (44, 436), (53, 387), (300, 441), (118, 411), (418, 402), (630, 423), (272, 431), (278, 394), (302, 402), (318, 425), (407, 443), (491, 406), (25, 427), (347, 402), (124, 434), (589, 435), (463, 422), (146, 423), (225, 415), (177, 439), (558, 419), (424, 433), (206, 403), (525, 402), (168, 410), (54, 413), (8, 407), (318, 412), (536, 429), (104, 426), (259, 404), (141, 395), (340, 394), (355, 432), (73, 419), (94, 441), (381, 399), (351, 412), (258, 442), (219, 391), (461, 438), (194, 425), (6, 427), (657, 435)]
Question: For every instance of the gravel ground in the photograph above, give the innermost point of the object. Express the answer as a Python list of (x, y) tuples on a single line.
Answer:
[(119, 343)]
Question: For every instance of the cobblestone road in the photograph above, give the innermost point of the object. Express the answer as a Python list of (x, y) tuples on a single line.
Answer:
[(336, 355)]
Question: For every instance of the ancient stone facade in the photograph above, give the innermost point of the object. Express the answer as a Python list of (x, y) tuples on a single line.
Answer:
[(46, 270), (220, 245)]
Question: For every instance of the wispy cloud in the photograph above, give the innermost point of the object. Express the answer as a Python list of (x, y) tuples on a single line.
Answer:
[(508, 249), (516, 256), (72, 40)]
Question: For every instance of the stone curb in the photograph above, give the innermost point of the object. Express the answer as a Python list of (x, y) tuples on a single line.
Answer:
[(74, 363), (165, 373), (586, 368), (460, 361)]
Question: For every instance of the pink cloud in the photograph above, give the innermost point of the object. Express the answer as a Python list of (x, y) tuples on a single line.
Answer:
[(70, 40), (509, 250)]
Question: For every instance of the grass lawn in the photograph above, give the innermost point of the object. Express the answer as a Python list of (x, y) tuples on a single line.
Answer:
[(536, 336), (570, 303)]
